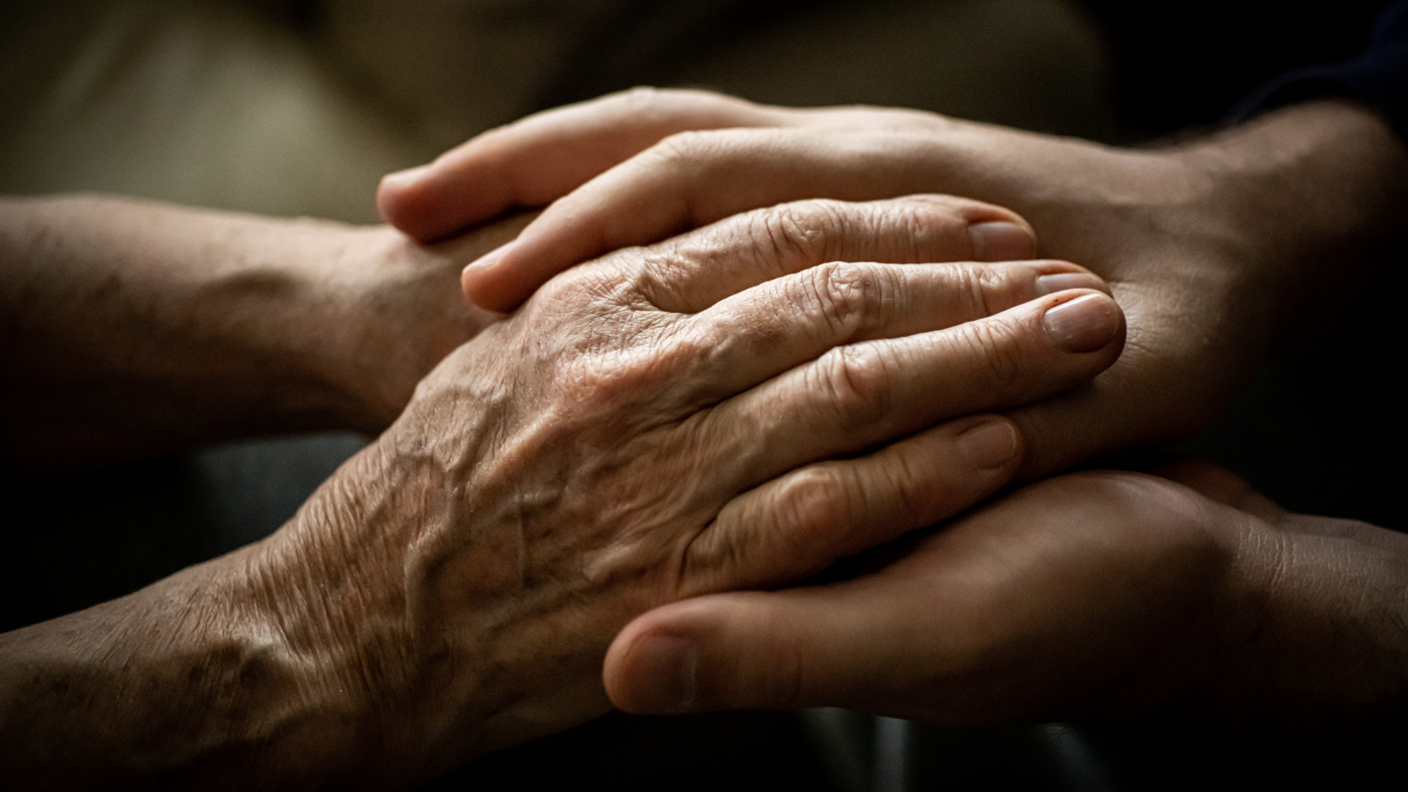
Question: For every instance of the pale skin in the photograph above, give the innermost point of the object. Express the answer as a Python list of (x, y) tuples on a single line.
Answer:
[(735, 408), (1218, 250)]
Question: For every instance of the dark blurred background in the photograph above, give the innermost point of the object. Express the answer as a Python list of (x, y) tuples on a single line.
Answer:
[(293, 107)]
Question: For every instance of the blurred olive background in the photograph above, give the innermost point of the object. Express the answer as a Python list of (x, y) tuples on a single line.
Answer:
[(297, 107)]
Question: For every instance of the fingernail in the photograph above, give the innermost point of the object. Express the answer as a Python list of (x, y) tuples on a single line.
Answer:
[(665, 670), (1061, 281), (1000, 241), (488, 260), (404, 178), (1084, 324), (990, 444)]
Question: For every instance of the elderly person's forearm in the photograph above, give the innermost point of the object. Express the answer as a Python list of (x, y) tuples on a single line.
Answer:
[(134, 328)]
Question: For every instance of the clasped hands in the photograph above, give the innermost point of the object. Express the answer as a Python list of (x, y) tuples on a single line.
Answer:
[(1187, 589), (745, 343), (734, 408)]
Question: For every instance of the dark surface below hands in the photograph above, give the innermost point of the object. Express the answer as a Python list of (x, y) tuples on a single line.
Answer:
[(1322, 429), (76, 540)]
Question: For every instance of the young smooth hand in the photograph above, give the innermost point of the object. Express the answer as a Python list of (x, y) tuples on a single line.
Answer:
[(1098, 596), (1216, 249)]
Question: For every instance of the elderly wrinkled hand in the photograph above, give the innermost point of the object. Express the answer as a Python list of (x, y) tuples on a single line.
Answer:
[(737, 407), (730, 409)]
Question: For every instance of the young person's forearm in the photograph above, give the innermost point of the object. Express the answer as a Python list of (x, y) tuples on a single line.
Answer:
[(1316, 194)]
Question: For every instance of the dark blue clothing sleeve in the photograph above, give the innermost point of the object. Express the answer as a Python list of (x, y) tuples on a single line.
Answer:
[(1378, 77)]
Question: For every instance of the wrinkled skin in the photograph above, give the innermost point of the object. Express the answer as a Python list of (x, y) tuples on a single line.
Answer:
[(737, 407)]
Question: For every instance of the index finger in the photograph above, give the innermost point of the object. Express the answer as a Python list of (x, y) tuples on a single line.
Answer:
[(538, 159), (690, 180)]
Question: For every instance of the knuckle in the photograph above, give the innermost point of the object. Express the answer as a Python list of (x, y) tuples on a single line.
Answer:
[(814, 503), (997, 347), (657, 272), (608, 372), (650, 103), (637, 99), (592, 381), (927, 226), (925, 221), (849, 298), (914, 493), (802, 230), (684, 150), (985, 287), (709, 556), (856, 382)]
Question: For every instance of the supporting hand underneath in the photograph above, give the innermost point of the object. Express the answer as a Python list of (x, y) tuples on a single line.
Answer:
[(1092, 596), (1215, 249)]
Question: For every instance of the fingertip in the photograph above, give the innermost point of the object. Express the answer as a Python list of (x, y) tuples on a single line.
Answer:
[(388, 198), (485, 281), (1001, 240), (467, 284), (403, 179), (483, 292), (1058, 276), (652, 670), (1088, 322), (408, 200), (693, 655), (991, 443), (432, 202)]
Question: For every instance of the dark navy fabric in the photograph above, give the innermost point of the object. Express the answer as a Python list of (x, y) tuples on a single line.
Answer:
[(1378, 77)]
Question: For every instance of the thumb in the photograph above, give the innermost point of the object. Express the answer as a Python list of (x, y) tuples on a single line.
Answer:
[(753, 650)]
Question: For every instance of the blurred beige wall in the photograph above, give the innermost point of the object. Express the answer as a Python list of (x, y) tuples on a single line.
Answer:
[(287, 107)]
